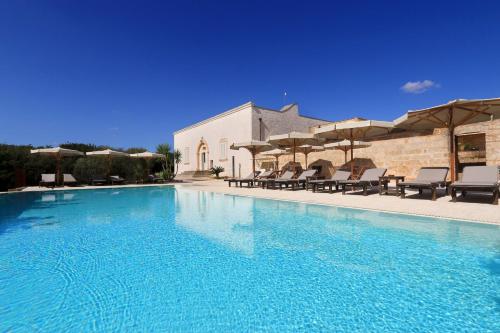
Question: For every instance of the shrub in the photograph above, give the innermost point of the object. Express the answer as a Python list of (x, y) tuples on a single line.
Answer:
[(88, 168), (216, 170), (19, 167)]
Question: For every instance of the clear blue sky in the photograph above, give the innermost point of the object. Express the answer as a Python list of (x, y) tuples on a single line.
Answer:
[(128, 73)]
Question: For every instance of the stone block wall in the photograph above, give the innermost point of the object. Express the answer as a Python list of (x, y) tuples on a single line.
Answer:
[(492, 138), (406, 152)]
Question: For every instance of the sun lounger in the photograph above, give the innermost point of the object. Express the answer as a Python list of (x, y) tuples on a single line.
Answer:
[(251, 182), (300, 180), (271, 174), (98, 180), (236, 180), (427, 178), (318, 184), (116, 180), (68, 179), (154, 179), (271, 182), (478, 179), (369, 179), (48, 179)]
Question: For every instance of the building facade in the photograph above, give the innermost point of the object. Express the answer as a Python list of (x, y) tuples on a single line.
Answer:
[(207, 143)]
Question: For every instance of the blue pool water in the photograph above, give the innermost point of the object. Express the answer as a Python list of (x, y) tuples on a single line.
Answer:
[(161, 259)]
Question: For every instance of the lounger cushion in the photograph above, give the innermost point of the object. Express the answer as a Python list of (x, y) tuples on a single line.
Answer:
[(371, 175), (266, 174), (286, 176), (48, 178), (474, 184), (340, 175), (68, 178), (417, 183), (485, 174), (303, 177), (431, 175)]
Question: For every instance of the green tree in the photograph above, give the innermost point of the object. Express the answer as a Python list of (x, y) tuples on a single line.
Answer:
[(177, 156), (135, 150), (167, 167)]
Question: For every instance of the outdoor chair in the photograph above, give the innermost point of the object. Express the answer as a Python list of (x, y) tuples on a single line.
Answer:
[(236, 180), (302, 179), (369, 179), (48, 180), (68, 179), (318, 184), (98, 180), (427, 178), (271, 182), (271, 174), (253, 181), (116, 180), (477, 179), (154, 179)]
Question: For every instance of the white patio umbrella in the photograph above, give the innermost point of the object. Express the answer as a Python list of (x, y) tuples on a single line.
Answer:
[(276, 153), (450, 115), (109, 154), (345, 146), (254, 147), (293, 140), (306, 149), (354, 130), (58, 153), (147, 156)]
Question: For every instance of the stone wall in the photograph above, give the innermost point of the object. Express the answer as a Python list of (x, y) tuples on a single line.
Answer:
[(406, 152), (492, 138)]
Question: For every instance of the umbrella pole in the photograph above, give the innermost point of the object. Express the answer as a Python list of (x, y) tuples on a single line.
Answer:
[(451, 132), (345, 156), (58, 169), (294, 152), (253, 163), (306, 159), (352, 153), (277, 162), (109, 165)]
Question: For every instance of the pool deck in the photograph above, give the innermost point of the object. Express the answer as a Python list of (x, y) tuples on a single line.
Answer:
[(477, 208)]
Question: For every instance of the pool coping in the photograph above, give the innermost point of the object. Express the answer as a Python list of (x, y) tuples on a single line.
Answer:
[(71, 188)]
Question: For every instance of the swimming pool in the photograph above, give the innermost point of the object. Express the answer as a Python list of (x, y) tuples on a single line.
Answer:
[(166, 259)]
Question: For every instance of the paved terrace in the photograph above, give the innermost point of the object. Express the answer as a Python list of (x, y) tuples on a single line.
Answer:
[(475, 209), (478, 209)]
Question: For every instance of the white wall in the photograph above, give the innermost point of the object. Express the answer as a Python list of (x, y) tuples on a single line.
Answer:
[(240, 124), (233, 125)]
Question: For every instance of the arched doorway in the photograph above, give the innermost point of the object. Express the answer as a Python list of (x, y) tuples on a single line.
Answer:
[(202, 156)]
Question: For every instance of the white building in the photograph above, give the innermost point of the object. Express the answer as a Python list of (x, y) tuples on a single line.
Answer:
[(206, 143)]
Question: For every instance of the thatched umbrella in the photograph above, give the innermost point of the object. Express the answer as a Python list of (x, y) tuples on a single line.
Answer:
[(109, 154), (58, 153), (345, 146), (354, 130), (450, 115), (293, 140), (254, 147), (276, 153)]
